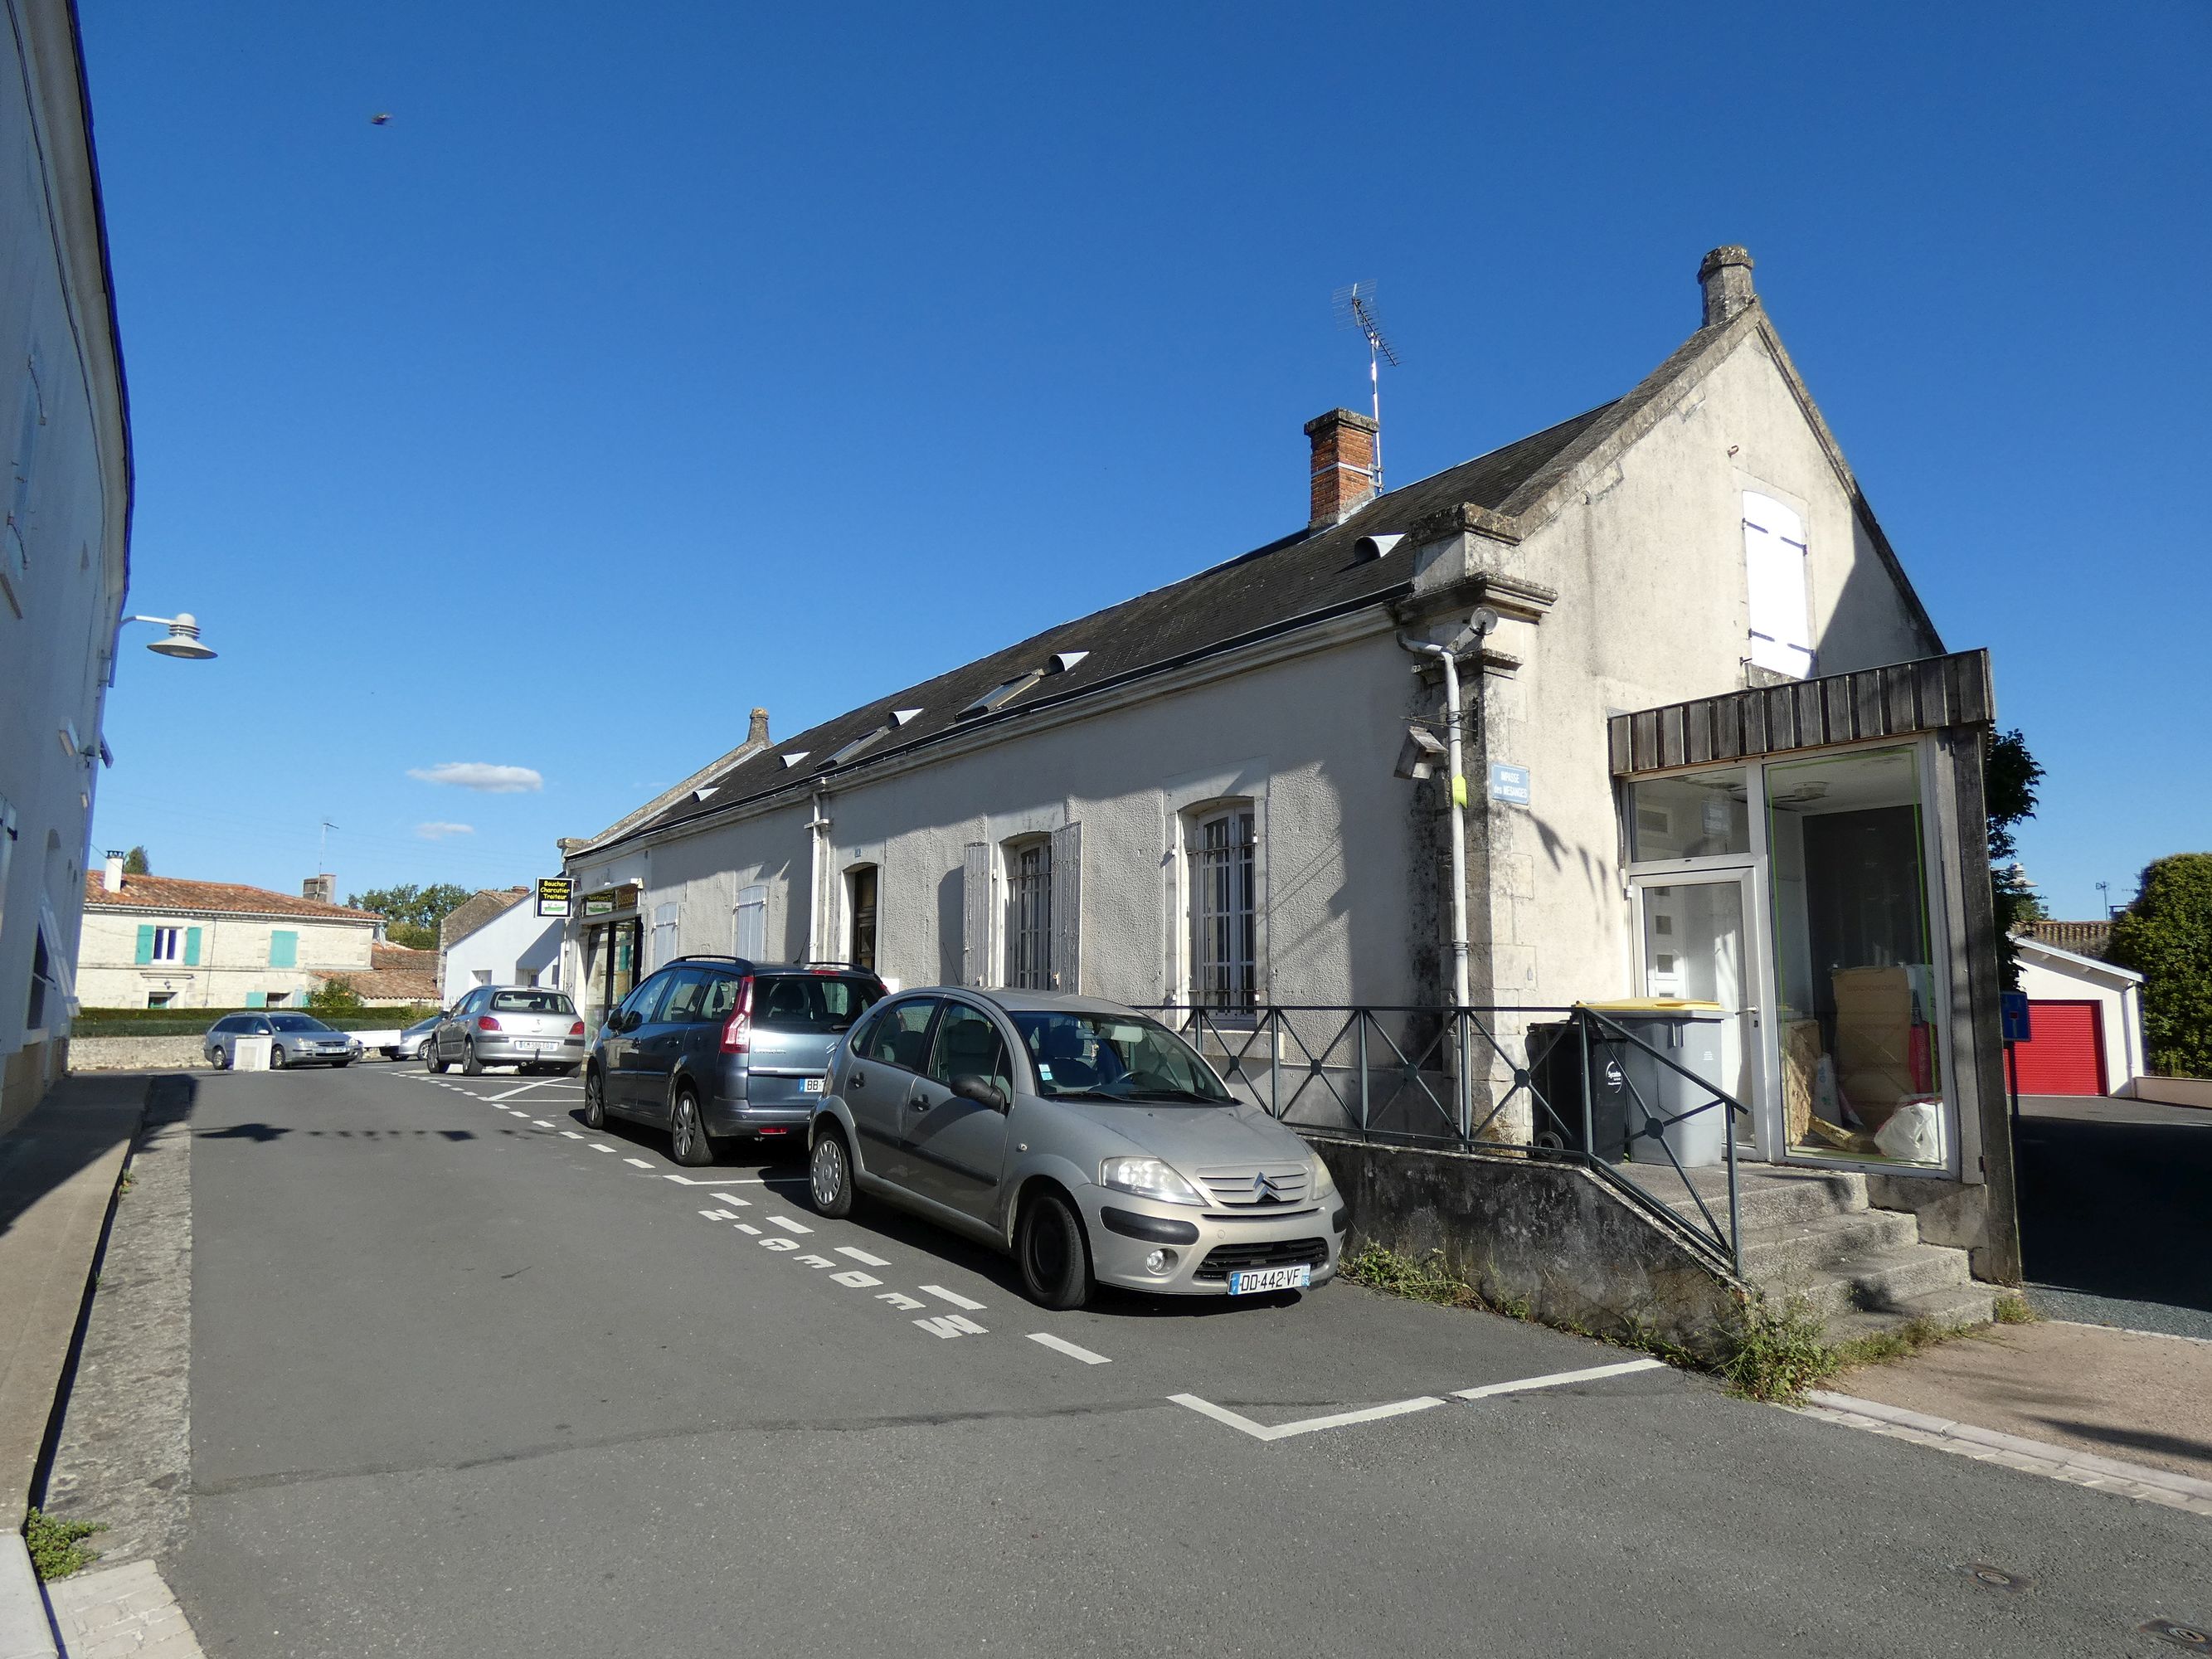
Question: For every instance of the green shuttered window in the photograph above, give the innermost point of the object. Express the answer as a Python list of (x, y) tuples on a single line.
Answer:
[(284, 948), (146, 942), (192, 947)]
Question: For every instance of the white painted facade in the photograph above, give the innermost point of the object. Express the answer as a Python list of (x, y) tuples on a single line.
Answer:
[(515, 947), (2049, 974), (64, 549)]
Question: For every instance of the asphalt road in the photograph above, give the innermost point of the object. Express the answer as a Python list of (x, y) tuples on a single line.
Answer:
[(467, 1379)]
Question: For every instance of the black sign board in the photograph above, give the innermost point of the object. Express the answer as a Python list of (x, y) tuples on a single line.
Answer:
[(557, 895)]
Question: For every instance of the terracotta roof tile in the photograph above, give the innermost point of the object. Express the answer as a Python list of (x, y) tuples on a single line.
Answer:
[(173, 893)]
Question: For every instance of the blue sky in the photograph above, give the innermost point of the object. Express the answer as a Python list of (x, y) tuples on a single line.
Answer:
[(809, 351)]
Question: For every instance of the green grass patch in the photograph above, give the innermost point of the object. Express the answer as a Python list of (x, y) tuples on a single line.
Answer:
[(1777, 1351), (1427, 1280), (57, 1546), (2014, 1309)]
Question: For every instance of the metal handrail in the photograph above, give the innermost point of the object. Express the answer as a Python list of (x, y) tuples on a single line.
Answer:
[(1347, 1072)]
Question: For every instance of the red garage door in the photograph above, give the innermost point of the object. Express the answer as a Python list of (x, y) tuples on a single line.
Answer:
[(2066, 1056)]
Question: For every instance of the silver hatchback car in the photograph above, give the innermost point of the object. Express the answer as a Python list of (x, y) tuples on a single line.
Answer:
[(517, 1025), (1090, 1142)]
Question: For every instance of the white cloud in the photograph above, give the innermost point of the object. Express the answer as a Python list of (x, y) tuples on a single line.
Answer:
[(439, 831), (475, 775)]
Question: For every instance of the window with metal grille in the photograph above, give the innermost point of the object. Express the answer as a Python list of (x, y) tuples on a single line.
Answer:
[(1224, 927), (1029, 915)]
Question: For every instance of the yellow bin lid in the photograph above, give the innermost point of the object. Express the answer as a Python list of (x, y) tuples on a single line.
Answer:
[(1654, 1006)]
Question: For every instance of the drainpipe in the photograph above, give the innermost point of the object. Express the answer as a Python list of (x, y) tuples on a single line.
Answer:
[(1447, 659)]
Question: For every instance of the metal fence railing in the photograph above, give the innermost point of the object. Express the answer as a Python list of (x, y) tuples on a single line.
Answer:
[(1562, 1084)]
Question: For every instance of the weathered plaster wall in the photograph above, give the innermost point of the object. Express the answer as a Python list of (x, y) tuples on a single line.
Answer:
[(233, 959), (507, 950)]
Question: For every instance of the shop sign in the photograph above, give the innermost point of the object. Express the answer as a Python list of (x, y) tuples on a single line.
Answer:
[(557, 895), (1509, 785), (600, 904)]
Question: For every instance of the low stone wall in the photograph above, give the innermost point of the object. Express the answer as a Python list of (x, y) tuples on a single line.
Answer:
[(1546, 1234), (135, 1053)]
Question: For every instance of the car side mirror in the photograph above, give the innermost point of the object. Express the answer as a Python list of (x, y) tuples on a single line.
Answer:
[(981, 1090)]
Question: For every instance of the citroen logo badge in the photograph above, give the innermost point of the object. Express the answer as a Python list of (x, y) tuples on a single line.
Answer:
[(1262, 1188)]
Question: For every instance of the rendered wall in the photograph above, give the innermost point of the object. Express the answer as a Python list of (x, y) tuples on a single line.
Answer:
[(233, 959), (504, 950)]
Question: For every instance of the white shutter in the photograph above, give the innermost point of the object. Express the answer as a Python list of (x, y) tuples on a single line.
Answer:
[(1068, 908), (664, 936), (752, 923), (975, 922), (1774, 572)]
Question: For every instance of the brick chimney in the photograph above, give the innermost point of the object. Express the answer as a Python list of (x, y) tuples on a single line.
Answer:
[(1725, 275), (111, 879), (1343, 465)]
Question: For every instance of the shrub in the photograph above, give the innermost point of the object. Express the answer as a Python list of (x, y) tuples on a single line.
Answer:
[(2165, 936), (334, 996), (57, 1546)]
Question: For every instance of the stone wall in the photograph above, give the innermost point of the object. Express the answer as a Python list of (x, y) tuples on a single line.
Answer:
[(135, 1053), (1545, 1234)]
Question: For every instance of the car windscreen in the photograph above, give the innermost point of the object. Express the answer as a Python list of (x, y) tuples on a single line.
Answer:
[(1116, 1057), (812, 1002), (296, 1023), (530, 1002)]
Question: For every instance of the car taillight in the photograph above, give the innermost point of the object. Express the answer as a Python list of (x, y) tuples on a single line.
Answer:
[(577, 1030), (738, 1029), (486, 1023)]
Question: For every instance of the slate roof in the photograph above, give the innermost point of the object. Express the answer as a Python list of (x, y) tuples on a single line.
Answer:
[(476, 910), (171, 893), (1303, 578)]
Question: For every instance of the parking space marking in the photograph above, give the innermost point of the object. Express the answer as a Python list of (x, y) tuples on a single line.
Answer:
[(734, 1202), (1068, 1348), (951, 1325), (601, 1147), (541, 1122), (571, 1134), (953, 1297), (747, 1229), (523, 1090), (1306, 1425), (1559, 1379), (722, 1181), (789, 1225), (860, 1256), (641, 1163)]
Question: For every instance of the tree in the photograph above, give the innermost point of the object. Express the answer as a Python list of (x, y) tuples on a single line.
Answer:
[(335, 998), (419, 909), (2009, 775), (2165, 936), (134, 863)]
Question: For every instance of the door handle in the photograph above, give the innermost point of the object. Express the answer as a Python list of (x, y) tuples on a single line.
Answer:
[(860, 1080)]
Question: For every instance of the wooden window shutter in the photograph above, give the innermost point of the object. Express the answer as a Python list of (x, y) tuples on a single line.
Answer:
[(192, 947), (145, 942), (1068, 908), (975, 919)]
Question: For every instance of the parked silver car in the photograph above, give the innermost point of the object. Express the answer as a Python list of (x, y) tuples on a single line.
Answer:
[(294, 1040), (1089, 1141), (518, 1025), (409, 1045)]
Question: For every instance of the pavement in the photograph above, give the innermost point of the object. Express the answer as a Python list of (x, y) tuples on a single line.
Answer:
[(468, 1377), (2116, 1228)]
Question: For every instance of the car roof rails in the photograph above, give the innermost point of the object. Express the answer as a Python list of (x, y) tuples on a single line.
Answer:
[(826, 963), (708, 956)]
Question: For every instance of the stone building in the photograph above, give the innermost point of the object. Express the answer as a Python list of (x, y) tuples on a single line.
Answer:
[(64, 544), (1715, 749)]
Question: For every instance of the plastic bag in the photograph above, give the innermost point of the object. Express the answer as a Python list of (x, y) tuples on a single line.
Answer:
[(1913, 1134)]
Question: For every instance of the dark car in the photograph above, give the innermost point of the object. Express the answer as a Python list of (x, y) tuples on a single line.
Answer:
[(716, 1048)]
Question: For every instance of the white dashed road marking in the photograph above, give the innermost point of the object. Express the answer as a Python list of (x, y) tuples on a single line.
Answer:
[(641, 1163), (734, 1202), (789, 1225), (860, 1256), (572, 1135), (601, 1147), (1285, 1430), (747, 1229), (1069, 1349), (1559, 1379), (541, 1122), (953, 1297)]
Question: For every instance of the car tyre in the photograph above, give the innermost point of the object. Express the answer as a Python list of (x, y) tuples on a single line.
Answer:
[(275, 1059), (595, 1100), (829, 1175), (220, 1059), (1054, 1256), (471, 1066), (432, 1060), (687, 1136)]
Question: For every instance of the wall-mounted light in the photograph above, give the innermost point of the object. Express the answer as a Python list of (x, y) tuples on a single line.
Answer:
[(184, 639)]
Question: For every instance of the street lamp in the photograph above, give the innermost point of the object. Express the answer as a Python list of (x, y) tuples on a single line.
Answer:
[(184, 639)]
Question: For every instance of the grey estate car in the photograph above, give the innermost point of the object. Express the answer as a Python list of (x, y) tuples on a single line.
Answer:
[(1089, 1141), (714, 1048), (518, 1025), (294, 1040)]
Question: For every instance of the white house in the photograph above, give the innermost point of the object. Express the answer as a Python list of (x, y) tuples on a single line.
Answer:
[(159, 942), (1714, 749), (497, 938), (64, 543), (2085, 1023)]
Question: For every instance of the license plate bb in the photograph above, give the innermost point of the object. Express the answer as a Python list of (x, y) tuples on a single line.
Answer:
[(811, 1085), (1252, 1280)]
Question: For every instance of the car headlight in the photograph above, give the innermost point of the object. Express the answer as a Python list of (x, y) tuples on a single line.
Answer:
[(1147, 1178), (1323, 1181)]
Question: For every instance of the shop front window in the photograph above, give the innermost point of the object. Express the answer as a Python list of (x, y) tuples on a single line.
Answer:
[(1702, 815), (1855, 963)]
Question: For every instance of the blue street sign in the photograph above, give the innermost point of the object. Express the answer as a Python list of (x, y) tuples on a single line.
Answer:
[(1508, 784), (2015, 1017)]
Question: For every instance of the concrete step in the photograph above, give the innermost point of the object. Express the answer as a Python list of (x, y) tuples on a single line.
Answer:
[(1768, 1196), (1878, 1281), (1972, 1303), (1780, 1250)]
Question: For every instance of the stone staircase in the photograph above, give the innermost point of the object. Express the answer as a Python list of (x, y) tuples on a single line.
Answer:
[(1810, 1233)]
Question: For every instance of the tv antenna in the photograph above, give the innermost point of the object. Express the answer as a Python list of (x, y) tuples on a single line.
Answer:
[(323, 846), (1355, 308)]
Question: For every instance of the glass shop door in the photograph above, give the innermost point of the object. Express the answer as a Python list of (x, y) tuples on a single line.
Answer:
[(1697, 937)]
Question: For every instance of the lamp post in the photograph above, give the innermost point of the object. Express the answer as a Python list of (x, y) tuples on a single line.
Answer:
[(184, 639)]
